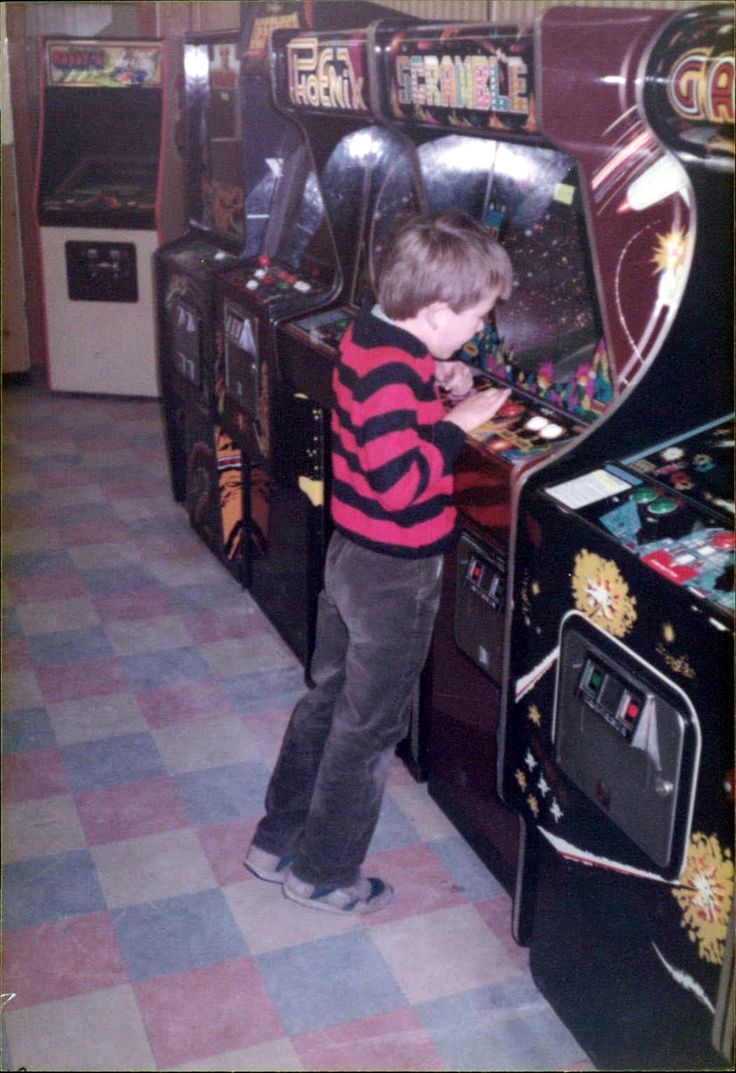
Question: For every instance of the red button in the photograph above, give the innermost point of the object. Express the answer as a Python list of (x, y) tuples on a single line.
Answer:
[(723, 540), (511, 409)]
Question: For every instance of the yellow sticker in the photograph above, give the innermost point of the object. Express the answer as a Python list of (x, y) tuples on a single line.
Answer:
[(313, 490), (564, 193)]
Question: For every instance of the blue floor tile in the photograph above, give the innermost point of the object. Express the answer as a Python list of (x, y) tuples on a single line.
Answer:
[(329, 981), (178, 934), (95, 765), (25, 729), (45, 889), (118, 580), (206, 596), (506, 1026), (27, 564), (466, 869), (223, 793), (67, 646), (165, 667), (84, 512), (278, 688), (393, 829)]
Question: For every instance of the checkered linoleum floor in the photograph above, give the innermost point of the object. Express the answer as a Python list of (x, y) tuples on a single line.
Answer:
[(144, 699)]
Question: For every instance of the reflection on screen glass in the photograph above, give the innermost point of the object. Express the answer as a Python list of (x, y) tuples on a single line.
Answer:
[(545, 337)]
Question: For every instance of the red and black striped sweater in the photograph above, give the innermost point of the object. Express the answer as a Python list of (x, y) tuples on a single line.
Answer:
[(392, 452)]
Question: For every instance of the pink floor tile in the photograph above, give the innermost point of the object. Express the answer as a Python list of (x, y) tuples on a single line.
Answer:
[(395, 1040), (132, 606), (133, 489), (225, 845), (191, 700), (265, 730), (84, 678), (207, 1011), (137, 808), (399, 774), (46, 587), (25, 518), (15, 653), (64, 478), (68, 957), (220, 625), (34, 774), (421, 882), (497, 914), (99, 532)]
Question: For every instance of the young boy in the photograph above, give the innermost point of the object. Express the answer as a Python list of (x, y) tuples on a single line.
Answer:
[(393, 450)]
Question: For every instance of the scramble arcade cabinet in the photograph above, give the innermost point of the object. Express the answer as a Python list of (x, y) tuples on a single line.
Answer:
[(465, 95), (307, 260), (617, 747), (100, 179)]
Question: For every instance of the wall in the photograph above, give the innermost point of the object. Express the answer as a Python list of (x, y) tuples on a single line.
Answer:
[(26, 22)]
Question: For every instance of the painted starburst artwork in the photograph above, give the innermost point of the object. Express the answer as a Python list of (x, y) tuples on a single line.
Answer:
[(670, 253), (602, 594), (706, 894)]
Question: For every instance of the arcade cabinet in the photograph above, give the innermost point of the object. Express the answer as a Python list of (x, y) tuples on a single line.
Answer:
[(231, 169), (617, 725), (205, 467), (100, 180), (466, 97), (275, 396)]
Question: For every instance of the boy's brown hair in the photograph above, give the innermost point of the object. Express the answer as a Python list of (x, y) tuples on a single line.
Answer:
[(444, 257)]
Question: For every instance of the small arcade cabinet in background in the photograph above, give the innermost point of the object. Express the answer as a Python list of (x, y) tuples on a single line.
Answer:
[(100, 179), (617, 745)]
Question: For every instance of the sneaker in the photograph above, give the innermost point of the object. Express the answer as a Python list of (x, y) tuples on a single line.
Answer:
[(365, 896), (268, 866)]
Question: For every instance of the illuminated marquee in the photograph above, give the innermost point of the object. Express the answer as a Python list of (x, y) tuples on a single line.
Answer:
[(701, 87), (476, 83), (323, 77), (264, 26)]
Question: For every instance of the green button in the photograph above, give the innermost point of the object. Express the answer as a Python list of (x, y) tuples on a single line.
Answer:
[(645, 494), (665, 505)]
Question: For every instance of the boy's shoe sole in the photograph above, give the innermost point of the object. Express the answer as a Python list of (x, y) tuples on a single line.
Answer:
[(268, 866), (366, 896)]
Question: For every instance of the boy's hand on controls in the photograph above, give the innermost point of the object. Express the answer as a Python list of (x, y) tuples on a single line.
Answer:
[(472, 412), (454, 376)]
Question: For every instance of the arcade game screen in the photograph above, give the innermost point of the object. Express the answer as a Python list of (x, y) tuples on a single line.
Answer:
[(101, 153), (545, 339), (353, 179), (216, 193)]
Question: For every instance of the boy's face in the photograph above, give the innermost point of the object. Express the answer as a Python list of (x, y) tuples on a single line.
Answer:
[(451, 331)]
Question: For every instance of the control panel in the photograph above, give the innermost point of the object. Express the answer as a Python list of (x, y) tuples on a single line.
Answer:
[(325, 328), (628, 738), (267, 280), (523, 428)]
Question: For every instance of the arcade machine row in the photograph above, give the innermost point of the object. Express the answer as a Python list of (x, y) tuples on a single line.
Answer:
[(231, 178), (275, 394), (617, 749), (100, 177)]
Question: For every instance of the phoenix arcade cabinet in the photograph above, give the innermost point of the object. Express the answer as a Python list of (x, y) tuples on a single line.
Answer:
[(617, 748), (466, 96), (300, 269), (99, 187)]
